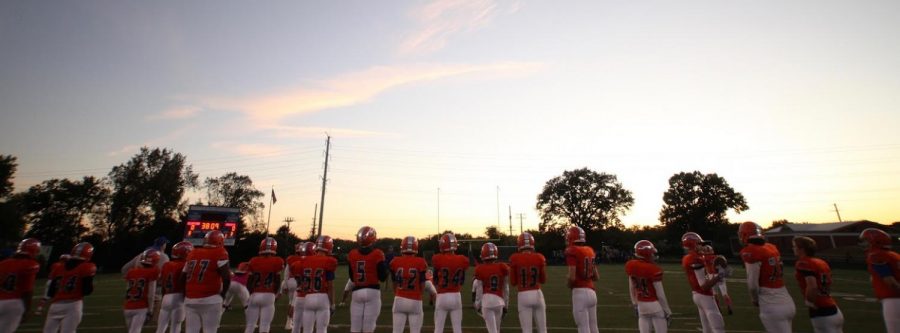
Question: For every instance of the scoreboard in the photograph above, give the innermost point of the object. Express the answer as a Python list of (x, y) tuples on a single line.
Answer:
[(203, 219)]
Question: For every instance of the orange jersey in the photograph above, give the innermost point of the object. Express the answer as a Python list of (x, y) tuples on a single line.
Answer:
[(409, 276), (771, 270), (170, 279), (709, 263), (201, 271), (582, 258), (883, 263), (296, 269), (292, 259), (450, 272), (364, 267), (492, 276), (17, 277), (264, 270), (69, 281), (316, 272), (643, 274), (691, 263), (818, 269), (139, 279), (528, 270)]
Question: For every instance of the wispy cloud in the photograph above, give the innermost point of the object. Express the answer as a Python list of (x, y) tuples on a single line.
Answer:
[(180, 112), (155, 142), (297, 132), (442, 19), (265, 110), (250, 149)]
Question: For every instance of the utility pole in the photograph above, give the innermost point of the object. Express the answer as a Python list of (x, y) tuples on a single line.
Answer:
[(521, 217), (510, 220), (288, 220), (439, 210), (324, 181), (838, 213), (312, 231)]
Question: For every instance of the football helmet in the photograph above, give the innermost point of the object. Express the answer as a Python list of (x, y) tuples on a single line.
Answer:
[(409, 245), (214, 238), (366, 236), (489, 251), (181, 250), (309, 248), (150, 257), (690, 240), (749, 230), (268, 246), (525, 241), (324, 244), (873, 238), (448, 243), (644, 249), (82, 251), (575, 234), (30, 247)]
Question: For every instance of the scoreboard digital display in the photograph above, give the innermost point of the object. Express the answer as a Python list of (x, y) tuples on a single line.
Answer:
[(203, 219)]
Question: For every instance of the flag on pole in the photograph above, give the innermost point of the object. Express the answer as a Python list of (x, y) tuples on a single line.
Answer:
[(273, 197)]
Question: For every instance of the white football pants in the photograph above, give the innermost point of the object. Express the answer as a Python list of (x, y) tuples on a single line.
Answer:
[(63, 317), (134, 319), (11, 311), (492, 311), (532, 307), (584, 308), (290, 284), (316, 313), (237, 290), (260, 308), (405, 308), (829, 324), (171, 313), (890, 309), (205, 316), (448, 303), (365, 306), (776, 309), (710, 316), (297, 318), (653, 322)]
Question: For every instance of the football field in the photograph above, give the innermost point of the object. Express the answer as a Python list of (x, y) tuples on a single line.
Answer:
[(103, 309)]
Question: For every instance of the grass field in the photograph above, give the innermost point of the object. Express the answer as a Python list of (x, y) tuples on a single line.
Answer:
[(103, 312)]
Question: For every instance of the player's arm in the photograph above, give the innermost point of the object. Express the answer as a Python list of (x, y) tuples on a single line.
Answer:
[(811, 292), (329, 283), (632, 291), (477, 292), (151, 299), (571, 276), (277, 282), (661, 297), (26, 284), (348, 289), (753, 281), (595, 275), (704, 283), (382, 269), (542, 272), (225, 275), (884, 271), (251, 281)]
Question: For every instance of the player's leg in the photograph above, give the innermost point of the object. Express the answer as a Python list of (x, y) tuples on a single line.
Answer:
[(210, 315), (525, 305), (71, 316), (398, 315), (243, 295), (440, 312), (54, 318), (828, 324), (266, 312), (192, 322), (297, 317), (645, 323), (165, 312), (492, 316), (710, 316), (890, 309), (308, 313), (357, 309), (578, 310), (776, 319), (323, 317), (137, 319), (371, 311), (416, 318), (11, 311), (291, 288), (251, 313), (540, 313), (178, 313), (660, 324)]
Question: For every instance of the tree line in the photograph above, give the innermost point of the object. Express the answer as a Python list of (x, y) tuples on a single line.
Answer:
[(144, 198)]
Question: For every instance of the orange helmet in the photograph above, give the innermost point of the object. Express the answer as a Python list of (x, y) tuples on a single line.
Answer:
[(873, 238), (748, 231), (366, 236), (690, 240), (489, 251), (409, 245), (324, 244), (30, 247), (525, 241), (181, 250), (706, 249), (575, 235), (150, 257), (300, 248), (65, 256), (268, 246), (243, 267), (447, 243), (83, 251), (214, 238), (309, 248), (644, 249)]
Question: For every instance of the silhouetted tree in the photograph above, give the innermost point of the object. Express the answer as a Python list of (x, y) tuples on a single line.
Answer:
[(237, 191), (7, 171), (56, 209), (698, 202), (585, 198)]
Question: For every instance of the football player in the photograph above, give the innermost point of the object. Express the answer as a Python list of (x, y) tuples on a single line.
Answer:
[(701, 284), (171, 311), (238, 287), (263, 284), (159, 244), (451, 275), (580, 278), (69, 284), (46, 297), (646, 289), (492, 287), (289, 284), (528, 274), (207, 278), (141, 292), (307, 249), (884, 268), (765, 279), (367, 270), (716, 264), (814, 277), (17, 275), (408, 276), (318, 280)]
